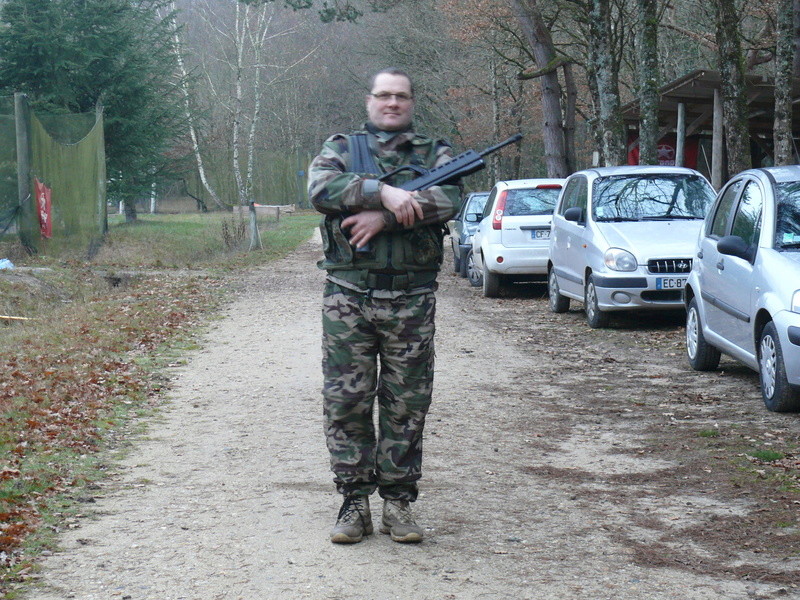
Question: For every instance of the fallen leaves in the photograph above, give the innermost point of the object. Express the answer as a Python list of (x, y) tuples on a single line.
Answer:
[(71, 380)]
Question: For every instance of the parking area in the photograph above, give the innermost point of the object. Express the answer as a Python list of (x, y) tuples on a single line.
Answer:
[(602, 403)]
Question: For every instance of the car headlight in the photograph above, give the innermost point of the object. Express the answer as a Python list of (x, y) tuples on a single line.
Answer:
[(796, 302), (618, 259)]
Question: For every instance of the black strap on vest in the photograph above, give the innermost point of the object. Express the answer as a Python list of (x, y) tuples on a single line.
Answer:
[(361, 158)]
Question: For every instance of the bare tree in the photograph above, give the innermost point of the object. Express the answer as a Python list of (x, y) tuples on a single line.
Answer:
[(648, 75), (543, 50), (606, 74), (183, 77), (237, 74), (734, 99), (784, 67), (796, 43)]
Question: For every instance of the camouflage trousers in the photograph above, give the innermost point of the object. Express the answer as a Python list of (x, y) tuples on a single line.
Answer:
[(376, 347)]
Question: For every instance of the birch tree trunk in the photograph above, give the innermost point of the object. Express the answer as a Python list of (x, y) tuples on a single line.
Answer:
[(542, 47), (238, 100), (183, 74), (734, 100), (648, 71), (784, 63), (610, 117)]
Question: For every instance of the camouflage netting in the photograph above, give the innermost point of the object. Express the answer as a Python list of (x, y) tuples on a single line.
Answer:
[(67, 154), (8, 167)]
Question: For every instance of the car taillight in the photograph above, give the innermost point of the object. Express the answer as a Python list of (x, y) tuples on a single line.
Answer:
[(549, 186), (497, 217)]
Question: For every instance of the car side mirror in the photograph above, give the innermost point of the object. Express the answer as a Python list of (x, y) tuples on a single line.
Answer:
[(733, 245), (574, 213), (472, 217)]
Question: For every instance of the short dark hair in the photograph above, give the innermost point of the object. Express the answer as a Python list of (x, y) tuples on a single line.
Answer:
[(391, 71)]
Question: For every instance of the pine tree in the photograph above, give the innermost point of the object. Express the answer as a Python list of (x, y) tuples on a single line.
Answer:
[(70, 55)]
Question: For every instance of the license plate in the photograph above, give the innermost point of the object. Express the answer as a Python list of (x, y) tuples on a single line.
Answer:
[(540, 234), (670, 283)]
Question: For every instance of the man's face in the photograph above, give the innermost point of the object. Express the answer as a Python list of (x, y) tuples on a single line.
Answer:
[(390, 105)]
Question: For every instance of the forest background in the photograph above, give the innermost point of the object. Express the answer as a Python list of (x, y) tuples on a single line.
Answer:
[(227, 100)]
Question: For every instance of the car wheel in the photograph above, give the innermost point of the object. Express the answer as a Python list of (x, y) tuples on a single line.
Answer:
[(778, 395), (702, 355), (474, 274), (558, 303), (596, 318), (491, 283)]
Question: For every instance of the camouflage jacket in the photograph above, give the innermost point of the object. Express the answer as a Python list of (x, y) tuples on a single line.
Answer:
[(335, 191)]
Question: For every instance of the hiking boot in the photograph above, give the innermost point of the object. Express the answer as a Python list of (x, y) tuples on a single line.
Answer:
[(399, 522), (354, 521)]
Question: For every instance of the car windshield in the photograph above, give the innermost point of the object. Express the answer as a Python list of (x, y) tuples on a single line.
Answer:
[(535, 201), (633, 197), (787, 227)]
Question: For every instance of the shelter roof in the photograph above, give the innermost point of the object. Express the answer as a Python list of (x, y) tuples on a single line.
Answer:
[(696, 91)]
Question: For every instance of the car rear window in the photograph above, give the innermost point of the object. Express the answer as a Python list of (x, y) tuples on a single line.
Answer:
[(536, 201), (632, 197)]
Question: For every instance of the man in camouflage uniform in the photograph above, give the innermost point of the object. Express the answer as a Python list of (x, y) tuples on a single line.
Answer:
[(383, 249)]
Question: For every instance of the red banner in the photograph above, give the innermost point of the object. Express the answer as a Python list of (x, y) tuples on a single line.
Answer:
[(44, 208), (666, 151)]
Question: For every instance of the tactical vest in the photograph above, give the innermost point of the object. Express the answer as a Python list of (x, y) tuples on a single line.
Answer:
[(392, 260)]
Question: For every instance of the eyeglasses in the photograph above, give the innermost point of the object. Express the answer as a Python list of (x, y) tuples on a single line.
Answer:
[(386, 96)]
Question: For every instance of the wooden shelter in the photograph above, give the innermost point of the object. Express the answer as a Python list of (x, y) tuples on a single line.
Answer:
[(691, 110)]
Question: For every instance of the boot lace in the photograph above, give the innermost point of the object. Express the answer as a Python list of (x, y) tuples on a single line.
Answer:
[(401, 511), (352, 510)]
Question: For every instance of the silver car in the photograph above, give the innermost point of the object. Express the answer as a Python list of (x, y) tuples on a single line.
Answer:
[(511, 241), (743, 294), (623, 238), (463, 226)]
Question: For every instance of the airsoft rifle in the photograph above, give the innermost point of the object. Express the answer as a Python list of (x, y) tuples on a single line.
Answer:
[(464, 164)]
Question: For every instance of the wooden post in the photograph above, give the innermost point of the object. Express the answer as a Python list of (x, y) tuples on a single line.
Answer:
[(717, 143), (27, 212), (102, 207), (680, 134)]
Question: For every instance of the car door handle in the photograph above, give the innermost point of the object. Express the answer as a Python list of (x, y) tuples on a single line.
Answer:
[(700, 254), (721, 265)]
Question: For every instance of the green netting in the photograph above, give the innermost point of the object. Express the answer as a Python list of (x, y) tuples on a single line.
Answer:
[(8, 167), (68, 156), (68, 128)]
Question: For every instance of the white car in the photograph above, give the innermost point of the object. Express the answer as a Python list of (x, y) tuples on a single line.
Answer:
[(743, 295), (623, 238), (511, 241)]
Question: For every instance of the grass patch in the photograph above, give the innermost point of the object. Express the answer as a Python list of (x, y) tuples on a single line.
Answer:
[(766, 455), (93, 356), (210, 240), (709, 433)]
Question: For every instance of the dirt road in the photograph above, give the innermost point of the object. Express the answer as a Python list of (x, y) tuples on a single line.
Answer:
[(560, 463)]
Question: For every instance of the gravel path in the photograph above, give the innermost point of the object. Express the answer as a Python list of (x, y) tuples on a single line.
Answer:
[(228, 495)]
